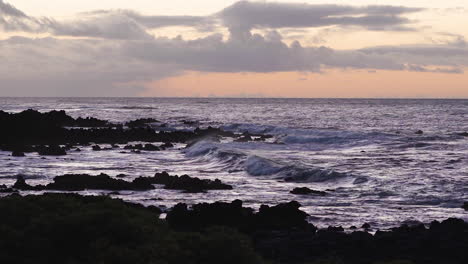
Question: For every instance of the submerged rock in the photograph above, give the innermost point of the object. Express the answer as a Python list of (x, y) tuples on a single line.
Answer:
[(307, 191), (465, 206)]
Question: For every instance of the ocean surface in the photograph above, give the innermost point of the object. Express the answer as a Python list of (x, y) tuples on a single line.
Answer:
[(363, 152)]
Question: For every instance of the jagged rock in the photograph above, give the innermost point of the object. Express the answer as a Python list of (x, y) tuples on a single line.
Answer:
[(17, 154), (307, 191), (80, 182), (167, 145), (139, 147), (97, 148), (184, 182), (142, 122), (5, 189), (51, 150), (280, 217), (335, 229)]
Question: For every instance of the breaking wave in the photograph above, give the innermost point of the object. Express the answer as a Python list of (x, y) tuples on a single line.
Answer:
[(254, 165)]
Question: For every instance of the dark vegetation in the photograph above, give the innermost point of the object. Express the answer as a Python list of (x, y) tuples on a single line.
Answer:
[(81, 182), (68, 228)]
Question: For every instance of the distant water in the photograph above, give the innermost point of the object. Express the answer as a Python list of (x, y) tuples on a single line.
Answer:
[(363, 152)]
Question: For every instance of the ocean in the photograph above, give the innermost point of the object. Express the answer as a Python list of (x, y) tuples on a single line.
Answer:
[(365, 153)]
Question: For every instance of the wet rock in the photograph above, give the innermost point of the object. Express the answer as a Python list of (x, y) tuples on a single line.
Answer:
[(280, 217), (151, 147), (139, 147), (184, 182), (244, 138), (307, 191), (21, 184), (366, 226), (419, 132), (17, 154), (80, 182), (97, 148), (464, 134), (142, 122), (167, 145), (5, 189), (90, 122), (465, 206), (51, 150), (335, 229)]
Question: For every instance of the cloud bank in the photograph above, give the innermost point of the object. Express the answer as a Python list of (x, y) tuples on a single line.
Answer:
[(111, 52)]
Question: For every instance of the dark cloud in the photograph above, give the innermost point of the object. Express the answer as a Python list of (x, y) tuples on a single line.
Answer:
[(244, 16), (115, 52), (9, 10), (122, 24)]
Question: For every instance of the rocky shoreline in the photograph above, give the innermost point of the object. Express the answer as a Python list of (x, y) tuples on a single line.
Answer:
[(69, 228)]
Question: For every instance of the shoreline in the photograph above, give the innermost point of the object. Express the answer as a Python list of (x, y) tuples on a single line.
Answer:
[(229, 233)]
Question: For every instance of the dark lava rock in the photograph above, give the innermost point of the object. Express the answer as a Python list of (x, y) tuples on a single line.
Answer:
[(80, 182), (184, 182), (419, 132), (51, 150), (147, 147), (17, 154), (5, 189), (280, 217), (335, 229), (366, 226), (21, 184), (90, 122), (97, 148), (142, 122), (167, 145), (465, 206), (307, 191), (464, 134), (244, 138), (151, 147)]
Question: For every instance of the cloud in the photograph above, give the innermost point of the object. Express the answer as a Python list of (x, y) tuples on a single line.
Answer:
[(9, 10), (73, 67), (13, 19), (122, 24), (114, 52), (243, 16)]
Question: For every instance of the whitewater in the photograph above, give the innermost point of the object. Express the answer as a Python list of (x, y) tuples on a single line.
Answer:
[(380, 161)]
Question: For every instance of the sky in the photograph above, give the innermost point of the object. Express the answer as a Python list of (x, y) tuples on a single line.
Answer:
[(220, 48)]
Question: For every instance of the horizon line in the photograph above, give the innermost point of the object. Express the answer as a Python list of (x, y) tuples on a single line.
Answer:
[(234, 97)]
